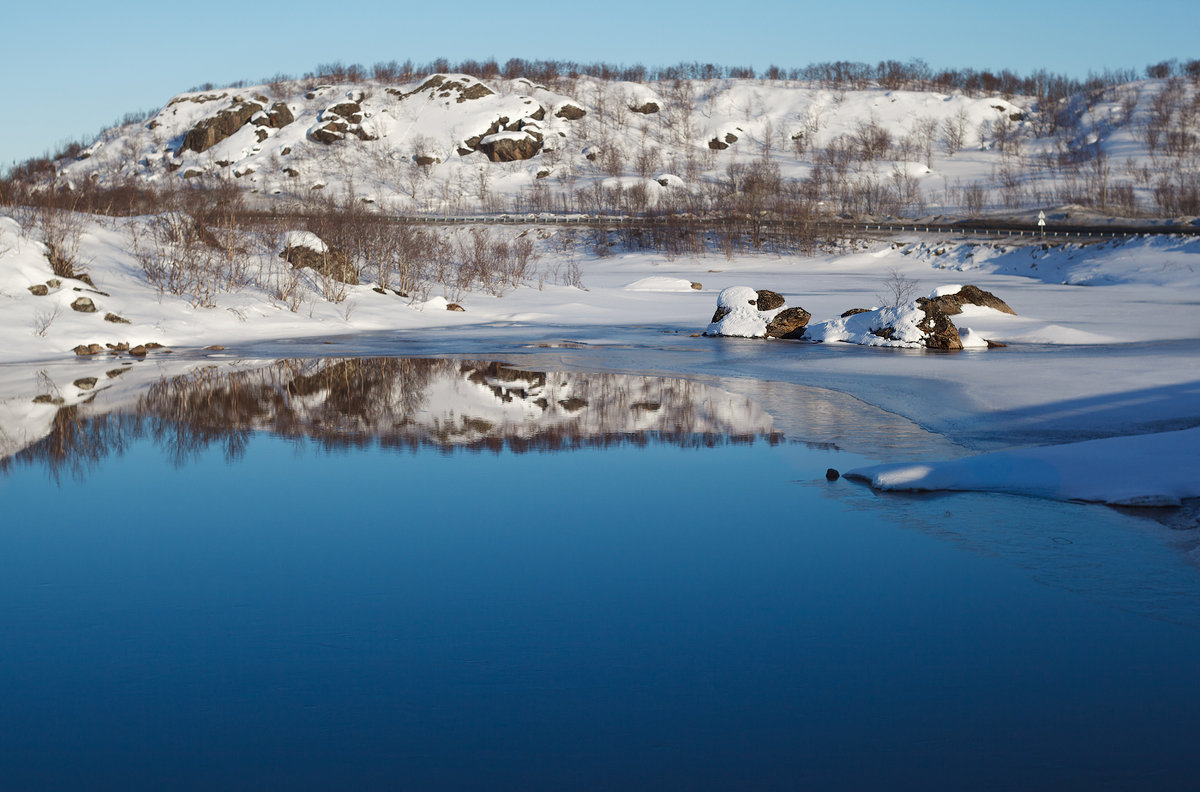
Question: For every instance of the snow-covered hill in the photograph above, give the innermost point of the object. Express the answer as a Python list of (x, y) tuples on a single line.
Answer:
[(451, 142)]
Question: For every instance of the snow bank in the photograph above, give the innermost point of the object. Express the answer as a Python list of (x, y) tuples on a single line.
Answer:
[(660, 284), (1141, 470), (860, 328)]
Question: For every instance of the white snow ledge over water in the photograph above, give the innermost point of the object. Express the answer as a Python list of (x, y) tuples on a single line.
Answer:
[(1141, 470)]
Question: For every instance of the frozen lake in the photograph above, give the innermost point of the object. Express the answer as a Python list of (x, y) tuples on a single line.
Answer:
[(455, 573)]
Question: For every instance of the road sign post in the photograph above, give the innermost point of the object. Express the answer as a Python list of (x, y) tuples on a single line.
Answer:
[(1042, 223)]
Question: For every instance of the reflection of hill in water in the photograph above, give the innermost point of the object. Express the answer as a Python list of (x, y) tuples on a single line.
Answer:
[(410, 402), (401, 403)]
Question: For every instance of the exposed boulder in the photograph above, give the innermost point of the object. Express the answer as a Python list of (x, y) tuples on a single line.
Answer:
[(511, 146), (769, 300), (350, 111), (115, 319), (570, 112), (84, 305), (279, 116), (212, 131), (940, 332), (646, 108), (329, 132), (788, 323), (951, 302), (716, 145), (301, 251), (39, 289)]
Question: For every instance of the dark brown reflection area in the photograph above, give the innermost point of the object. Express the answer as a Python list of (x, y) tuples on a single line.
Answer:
[(400, 403)]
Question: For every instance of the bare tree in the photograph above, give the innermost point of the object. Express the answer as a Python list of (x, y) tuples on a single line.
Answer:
[(954, 132)]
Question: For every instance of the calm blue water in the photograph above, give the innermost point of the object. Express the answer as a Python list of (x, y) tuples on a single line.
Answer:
[(650, 614)]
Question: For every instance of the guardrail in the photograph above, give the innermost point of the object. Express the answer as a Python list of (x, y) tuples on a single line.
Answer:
[(833, 227)]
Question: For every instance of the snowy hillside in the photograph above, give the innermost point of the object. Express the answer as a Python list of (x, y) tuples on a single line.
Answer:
[(456, 143)]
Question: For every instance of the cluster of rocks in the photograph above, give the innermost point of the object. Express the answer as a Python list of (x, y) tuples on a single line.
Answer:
[(140, 350), (340, 119), (749, 313), (80, 304), (505, 139), (719, 144), (225, 123)]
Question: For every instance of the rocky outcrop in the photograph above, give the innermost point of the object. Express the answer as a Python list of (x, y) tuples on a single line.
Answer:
[(279, 116), (511, 147), (329, 132), (527, 124), (340, 119), (646, 108), (349, 111), (952, 303), (474, 91), (212, 131), (461, 89), (570, 112)]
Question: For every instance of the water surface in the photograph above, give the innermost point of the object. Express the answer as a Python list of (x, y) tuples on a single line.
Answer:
[(448, 573)]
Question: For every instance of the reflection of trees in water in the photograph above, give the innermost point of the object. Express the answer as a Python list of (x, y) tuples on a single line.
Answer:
[(405, 403), (77, 443)]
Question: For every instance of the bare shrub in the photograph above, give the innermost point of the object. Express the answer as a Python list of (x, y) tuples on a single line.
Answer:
[(182, 256), (61, 230), (975, 198), (43, 319), (898, 290)]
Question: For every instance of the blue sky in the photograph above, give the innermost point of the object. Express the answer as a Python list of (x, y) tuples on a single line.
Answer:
[(72, 68)]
